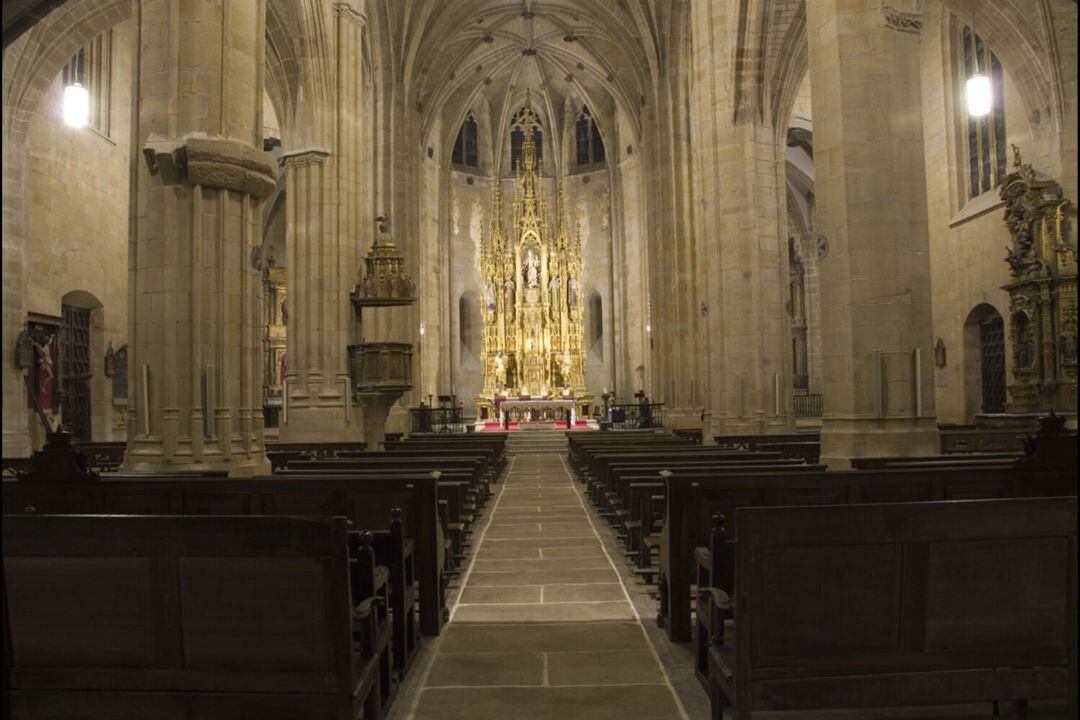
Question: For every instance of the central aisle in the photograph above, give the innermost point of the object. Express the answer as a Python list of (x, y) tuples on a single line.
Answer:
[(544, 628)]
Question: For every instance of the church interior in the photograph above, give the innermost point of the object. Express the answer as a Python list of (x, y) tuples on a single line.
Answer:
[(485, 359)]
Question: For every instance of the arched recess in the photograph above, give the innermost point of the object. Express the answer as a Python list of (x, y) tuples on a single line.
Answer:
[(984, 362), (470, 328), (594, 325)]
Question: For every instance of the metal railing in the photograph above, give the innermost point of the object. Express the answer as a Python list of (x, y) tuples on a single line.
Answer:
[(437, 419), (636, 416), (808, 405)]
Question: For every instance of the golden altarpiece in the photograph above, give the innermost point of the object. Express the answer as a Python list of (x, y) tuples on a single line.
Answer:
[(532, 298)]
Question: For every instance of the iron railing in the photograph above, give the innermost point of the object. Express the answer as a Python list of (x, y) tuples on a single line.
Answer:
[(437, 419), (808, 405), (636, 416)]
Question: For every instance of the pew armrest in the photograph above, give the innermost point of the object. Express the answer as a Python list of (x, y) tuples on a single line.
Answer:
[(719, 599)]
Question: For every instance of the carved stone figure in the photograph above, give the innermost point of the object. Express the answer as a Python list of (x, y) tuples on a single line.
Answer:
[(532, 269), (940, 358), (572, 289), (489, 296)]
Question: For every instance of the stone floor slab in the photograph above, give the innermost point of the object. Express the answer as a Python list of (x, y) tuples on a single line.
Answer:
[(640, 702), (487, 669), (542, 637), (546, 613), (592, 668), (583, 593), (488, 595)]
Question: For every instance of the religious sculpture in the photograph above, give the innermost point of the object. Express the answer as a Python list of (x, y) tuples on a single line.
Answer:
[(1042, 293), (532, 341)]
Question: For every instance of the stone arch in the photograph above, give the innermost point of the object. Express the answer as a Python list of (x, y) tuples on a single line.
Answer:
[(975, 356)]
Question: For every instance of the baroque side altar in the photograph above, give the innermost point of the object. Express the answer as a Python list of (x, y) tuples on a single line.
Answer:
[(532, 309)]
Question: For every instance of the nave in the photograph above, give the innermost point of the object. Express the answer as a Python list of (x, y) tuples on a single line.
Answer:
[(466, 576)]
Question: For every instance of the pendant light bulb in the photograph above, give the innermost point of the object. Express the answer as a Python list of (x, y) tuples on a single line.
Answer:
[(979, 95), (76, 105)]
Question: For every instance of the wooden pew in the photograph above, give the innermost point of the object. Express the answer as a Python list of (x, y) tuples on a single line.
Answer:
[(900, 604), (367, 503), (937, 461), (169, 616), (692, 500), (102, 456)]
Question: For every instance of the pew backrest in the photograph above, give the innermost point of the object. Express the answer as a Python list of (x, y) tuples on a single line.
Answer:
[(937, 589), (195, 605)]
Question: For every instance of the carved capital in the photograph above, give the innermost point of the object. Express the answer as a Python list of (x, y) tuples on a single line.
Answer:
[(197, 159), (347, 11), (303, 158), (906, 22)]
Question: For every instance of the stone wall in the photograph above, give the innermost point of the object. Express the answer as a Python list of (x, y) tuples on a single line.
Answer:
[(967, 236), (77, 218)]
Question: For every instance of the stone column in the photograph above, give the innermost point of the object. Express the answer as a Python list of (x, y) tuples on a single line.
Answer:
[(741, 222), (195, 292), (871, 207), (322, 234)]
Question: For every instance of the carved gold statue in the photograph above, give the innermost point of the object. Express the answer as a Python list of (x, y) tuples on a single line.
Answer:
[(532, 331)]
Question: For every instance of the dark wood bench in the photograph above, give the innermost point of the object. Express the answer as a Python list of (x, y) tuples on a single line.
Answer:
[(691, 502), (216, 618), (899, 604), (367, 502)]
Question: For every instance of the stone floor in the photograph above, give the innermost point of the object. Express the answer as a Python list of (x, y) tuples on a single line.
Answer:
[(544, 626), (548, 622)]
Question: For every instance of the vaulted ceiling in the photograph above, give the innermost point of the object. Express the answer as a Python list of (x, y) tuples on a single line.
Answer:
[(606, 52)]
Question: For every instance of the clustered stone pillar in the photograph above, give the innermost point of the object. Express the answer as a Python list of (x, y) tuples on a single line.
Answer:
[(322, 233), (871, 205), (195, 288)]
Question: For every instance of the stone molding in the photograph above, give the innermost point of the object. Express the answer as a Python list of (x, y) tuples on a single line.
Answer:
[(195, 159), (347, 11), (303, 158), (906, 22)]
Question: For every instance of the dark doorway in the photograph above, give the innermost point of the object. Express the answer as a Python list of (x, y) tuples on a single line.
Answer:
[(76, 370)]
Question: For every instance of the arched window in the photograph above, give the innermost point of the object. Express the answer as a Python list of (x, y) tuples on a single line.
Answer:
[(467, 146), (517, 138), (590, 146), (986, 134)]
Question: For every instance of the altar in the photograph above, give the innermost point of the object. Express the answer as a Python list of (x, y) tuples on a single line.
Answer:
[(538, 410)]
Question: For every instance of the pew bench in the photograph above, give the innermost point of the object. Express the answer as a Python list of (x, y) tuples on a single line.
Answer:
[(149, 616), (368, 503), (899, 604), (691, 502)]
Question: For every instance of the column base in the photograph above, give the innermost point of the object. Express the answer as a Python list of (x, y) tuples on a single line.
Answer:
[(845, 438), (321, 424), (149, 462), (376, 410)]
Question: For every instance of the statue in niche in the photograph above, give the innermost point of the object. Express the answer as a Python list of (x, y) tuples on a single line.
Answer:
[(508, 290), (532, 269), (284, 314), (553, 289), (572, 289), (940, 357), (489, 296), (283, 367), (499, 365)]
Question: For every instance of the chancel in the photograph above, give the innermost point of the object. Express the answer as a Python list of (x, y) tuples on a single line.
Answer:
[(477, 359)]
